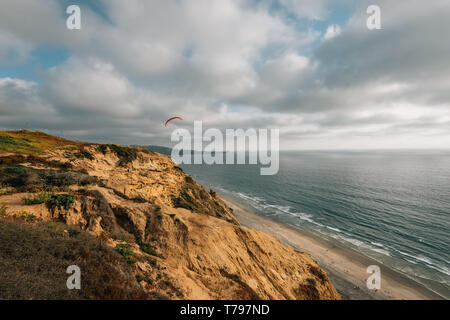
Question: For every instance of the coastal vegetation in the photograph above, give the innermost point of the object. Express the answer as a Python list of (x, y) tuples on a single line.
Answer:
[(136, 225)]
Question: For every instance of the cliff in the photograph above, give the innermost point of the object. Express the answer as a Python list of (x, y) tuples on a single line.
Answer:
[(137, 226)]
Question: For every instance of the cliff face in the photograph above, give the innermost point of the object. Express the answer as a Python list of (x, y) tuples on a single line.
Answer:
[(179, 240)]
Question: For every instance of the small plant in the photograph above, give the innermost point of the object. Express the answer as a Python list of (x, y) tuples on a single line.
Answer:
[(64, 200), (322, 276), (83, 191), (189, 179), (311, 282), (101, 236), (185, 200), (84, 154), (39, 198), (139, 199), (159, 217), (4, 208), (145, 247), (25, 215), (177, 220), (5, 190), (126, 251), (140, 278), (84, 183), (172, 215), (61, 165), (125, 154), (66, 166), (14, 176), (144, 277), (102, 149)]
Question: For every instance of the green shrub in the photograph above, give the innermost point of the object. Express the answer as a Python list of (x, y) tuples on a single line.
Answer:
[(61, 165), (126, 251), (140, 278), (125, 154), (311, 282), (15, 176), (185, 200), (56, 178), (4, 190), (84, 183), (25, 215), (189, 179), (87, 193), (64, 200), (39, 198), (139, 199), (322, 276), (145, 247), (26, 179), (102, 148), (84, 154), (11, 144), (4, 208)]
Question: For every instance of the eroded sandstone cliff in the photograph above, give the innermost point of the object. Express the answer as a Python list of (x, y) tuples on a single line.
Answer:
[(179, 240)]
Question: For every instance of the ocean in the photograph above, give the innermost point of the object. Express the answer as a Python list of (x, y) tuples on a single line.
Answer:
[(393, 206)]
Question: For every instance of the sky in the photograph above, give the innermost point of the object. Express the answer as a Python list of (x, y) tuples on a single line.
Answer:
[(310, 68)]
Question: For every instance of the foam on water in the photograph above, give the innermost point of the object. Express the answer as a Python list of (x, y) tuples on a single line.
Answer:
[(389, 206)]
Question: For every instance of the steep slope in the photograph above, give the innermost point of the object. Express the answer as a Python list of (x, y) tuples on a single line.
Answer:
[(179, 240)]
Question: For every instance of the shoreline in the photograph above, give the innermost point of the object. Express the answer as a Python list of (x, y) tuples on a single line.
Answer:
[(345, 266)]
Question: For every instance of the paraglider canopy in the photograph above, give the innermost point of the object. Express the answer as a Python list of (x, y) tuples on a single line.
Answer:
[(165, 125)]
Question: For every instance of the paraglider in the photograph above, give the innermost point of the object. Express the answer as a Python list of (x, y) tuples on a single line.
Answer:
[(165, 125)]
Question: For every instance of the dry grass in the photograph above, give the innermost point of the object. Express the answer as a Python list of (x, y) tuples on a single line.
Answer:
[(33, 142), (34, 258)]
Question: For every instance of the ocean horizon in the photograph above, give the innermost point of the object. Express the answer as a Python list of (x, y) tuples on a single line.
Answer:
[(391, 206)]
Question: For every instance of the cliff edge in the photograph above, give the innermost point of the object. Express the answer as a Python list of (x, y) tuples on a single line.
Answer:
[(137, 226)]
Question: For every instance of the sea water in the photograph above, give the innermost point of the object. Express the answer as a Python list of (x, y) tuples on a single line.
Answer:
[(393, 206)]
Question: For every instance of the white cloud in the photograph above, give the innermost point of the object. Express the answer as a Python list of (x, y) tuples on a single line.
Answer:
[(13, 50), (20, 102), (311, 9), (91, 86), (232, 64), (332, 31), (211, 44)]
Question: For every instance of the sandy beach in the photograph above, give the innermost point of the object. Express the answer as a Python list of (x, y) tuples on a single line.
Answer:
[(346, 267)]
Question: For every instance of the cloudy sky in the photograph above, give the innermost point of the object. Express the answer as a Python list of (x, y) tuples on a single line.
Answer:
[(308, 67)]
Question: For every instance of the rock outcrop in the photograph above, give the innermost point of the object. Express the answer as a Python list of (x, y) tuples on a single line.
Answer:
[(180, 240)]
